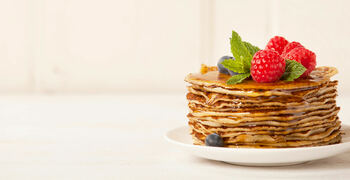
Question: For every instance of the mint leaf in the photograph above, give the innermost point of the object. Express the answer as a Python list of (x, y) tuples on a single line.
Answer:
[(293, 70), (251, 48), (234, 65), (237, 78), (240, 51)]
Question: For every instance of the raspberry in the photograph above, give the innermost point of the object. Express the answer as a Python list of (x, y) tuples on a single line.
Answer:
[(267, 66), (289, 47), (277, 43), (304, 56)]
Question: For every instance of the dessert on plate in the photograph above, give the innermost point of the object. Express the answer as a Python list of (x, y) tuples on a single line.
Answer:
[(270, 98)]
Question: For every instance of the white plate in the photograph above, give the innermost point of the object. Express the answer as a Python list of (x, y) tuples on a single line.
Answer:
[(258, 157)]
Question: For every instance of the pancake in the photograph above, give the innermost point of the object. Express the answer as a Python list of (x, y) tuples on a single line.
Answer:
[(296, 139), (264, 115), (197, 126), (274, 121), (327, 108), (328, 103), (333, 138), (213, 97), (241, 137), (213, 78)]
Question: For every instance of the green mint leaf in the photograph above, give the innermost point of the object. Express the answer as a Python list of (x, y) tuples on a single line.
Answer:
[(251, 48), (240, 51), (293, 70), (234, 65), (237, 78)]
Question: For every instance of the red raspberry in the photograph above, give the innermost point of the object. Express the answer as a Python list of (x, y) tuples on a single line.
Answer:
[(289, 47), (304, 56), (277, 43), (267, 66)]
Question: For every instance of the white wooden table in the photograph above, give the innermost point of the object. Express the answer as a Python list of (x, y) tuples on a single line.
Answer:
[(121, 137)]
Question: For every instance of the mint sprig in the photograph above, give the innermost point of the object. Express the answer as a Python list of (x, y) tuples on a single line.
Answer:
[(240, 51), (251, 48), (239, 66), (235, 66), (243, 52), (237, 78), (293, 70)]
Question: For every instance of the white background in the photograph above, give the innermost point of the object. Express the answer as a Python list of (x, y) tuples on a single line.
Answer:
[(89, 88), (117, 46)]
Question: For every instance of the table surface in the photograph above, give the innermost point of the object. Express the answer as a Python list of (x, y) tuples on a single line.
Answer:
[(121, 137)]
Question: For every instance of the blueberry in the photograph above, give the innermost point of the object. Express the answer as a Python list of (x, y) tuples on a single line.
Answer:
[(222, 69), (214, 140)]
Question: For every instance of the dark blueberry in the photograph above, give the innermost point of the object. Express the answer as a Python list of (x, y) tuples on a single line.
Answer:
[(221, 68), (214, 140)]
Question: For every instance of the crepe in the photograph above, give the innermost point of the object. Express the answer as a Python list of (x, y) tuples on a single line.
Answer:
[(264, 115)]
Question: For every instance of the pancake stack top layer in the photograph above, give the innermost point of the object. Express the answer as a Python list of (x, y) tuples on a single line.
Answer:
[(264, 115)]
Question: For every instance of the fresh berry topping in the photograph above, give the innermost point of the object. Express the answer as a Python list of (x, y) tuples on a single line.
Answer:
[(304, 56), (224, 70), (289, 47), (277, 43), (267, 66), (214, 140)]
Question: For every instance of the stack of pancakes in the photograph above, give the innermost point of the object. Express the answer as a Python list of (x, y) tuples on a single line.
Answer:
[(264, 115)]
